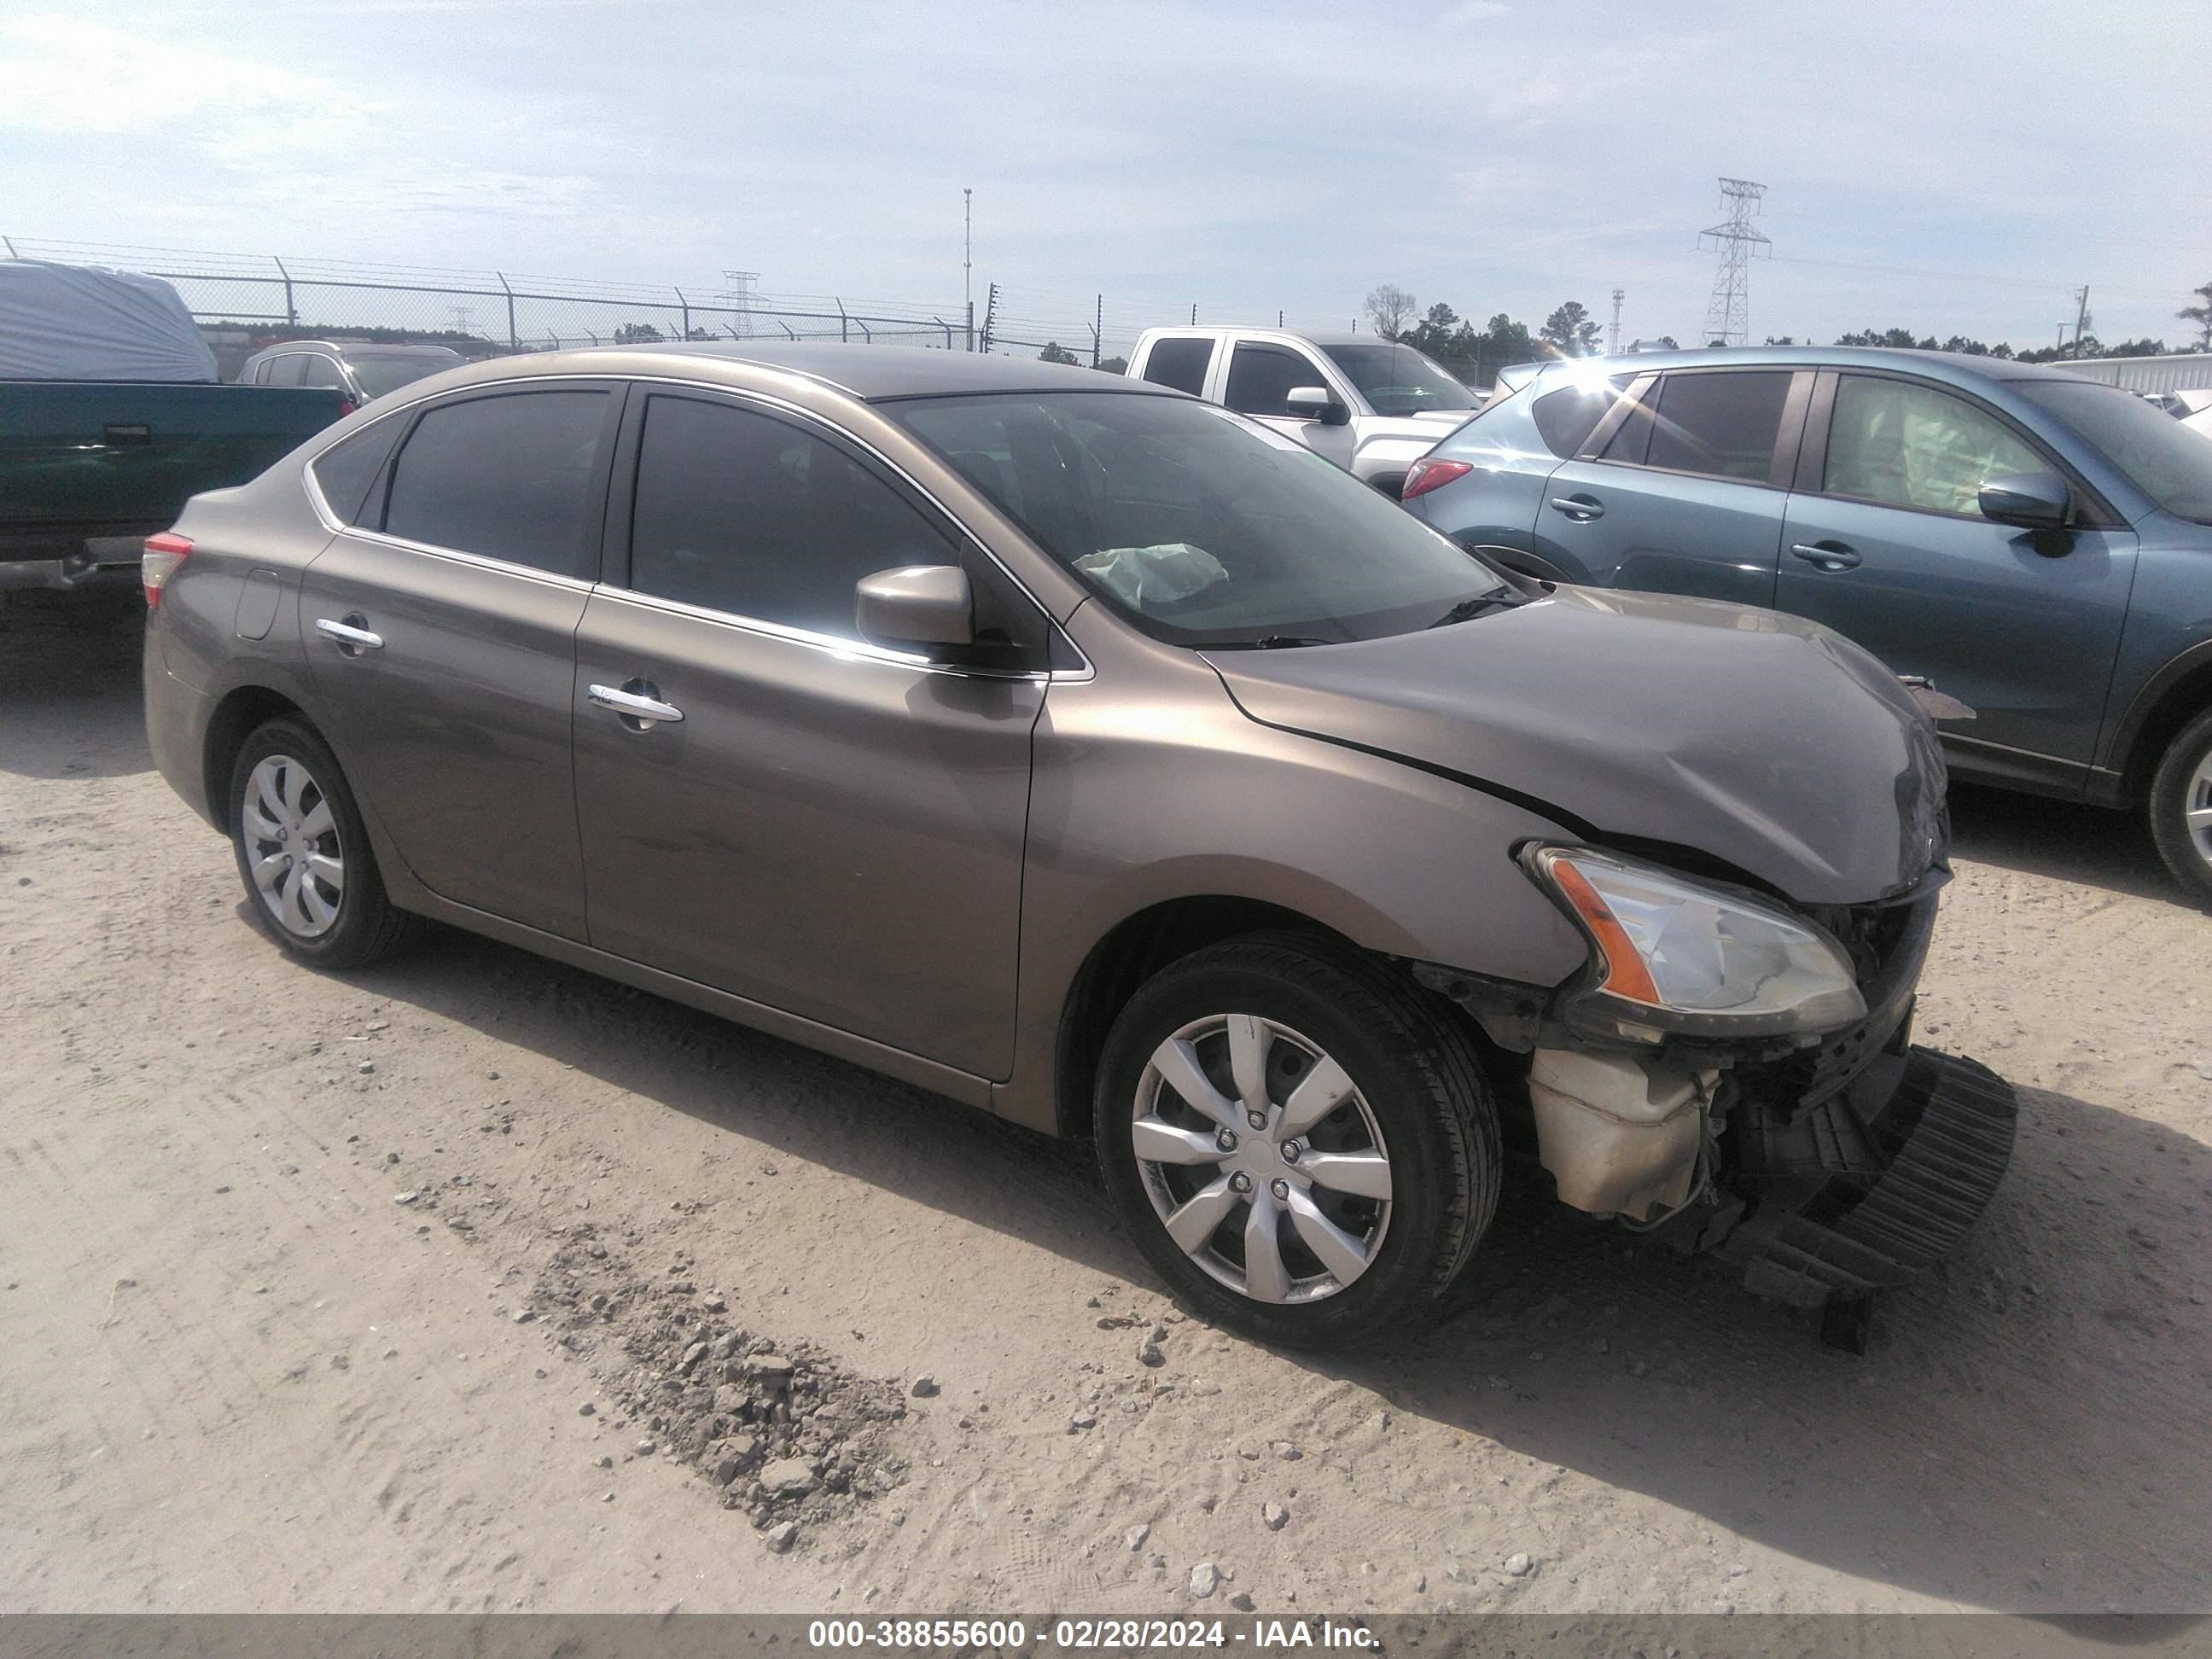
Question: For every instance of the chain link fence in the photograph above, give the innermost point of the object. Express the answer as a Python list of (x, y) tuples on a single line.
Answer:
[(246, 301)]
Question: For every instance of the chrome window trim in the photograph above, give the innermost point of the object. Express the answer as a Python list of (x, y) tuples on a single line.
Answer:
[(479, 561), (839, 645), (860, 649)]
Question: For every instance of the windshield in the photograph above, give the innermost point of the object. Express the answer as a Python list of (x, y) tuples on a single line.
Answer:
[(1396, 380), (1195, 530), (379, 375), (2169, 463)]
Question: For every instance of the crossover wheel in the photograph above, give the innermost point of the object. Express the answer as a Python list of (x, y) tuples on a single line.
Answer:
[(2181, 807), (303, 853), (1301, 1142)]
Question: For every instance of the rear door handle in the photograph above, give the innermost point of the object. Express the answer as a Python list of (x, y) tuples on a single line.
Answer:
[(350, 636), (1581, 508), (1826, 556), (638, 701)]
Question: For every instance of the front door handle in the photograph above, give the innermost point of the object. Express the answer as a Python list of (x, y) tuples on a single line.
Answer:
[(352, 638), (1581, 508), (1826, 556), (638, 701)]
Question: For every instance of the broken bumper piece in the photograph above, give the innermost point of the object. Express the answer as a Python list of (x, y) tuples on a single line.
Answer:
[(1871, 1187)]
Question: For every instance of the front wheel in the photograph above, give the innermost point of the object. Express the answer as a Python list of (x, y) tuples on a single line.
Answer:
[(1301, 1144), (2181, 807), (303, 852)]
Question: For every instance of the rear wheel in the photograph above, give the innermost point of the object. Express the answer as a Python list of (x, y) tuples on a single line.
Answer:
[(1301, 1146), (2181, 807), (303, 853)]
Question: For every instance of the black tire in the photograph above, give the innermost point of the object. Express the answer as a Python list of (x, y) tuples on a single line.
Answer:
[(1421, 1081), (366, 926), (2176, 790)]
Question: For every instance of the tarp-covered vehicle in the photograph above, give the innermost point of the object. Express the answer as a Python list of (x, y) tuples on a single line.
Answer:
[(111, 416)]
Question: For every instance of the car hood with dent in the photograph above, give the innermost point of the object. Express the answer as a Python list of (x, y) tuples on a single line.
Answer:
[(1764, 740)]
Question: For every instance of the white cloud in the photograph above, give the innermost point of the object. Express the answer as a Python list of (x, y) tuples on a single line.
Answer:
[(64, 74)]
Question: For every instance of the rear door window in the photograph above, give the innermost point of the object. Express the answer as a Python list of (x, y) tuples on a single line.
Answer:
[(1723, 424), (1262, 377), (1181, 362), (318, 370), (518, 475), (283, 370)]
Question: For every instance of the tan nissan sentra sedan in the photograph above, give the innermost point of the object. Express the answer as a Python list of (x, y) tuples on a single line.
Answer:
[(1079, 750)]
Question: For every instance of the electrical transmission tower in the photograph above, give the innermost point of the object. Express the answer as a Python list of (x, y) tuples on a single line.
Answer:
[(743, 294), (1612, 347), (1728, 317)]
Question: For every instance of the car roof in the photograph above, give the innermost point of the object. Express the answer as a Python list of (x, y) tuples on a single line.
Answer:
[(360, 349), (1320, 336), (872, 372), (1942, 365)]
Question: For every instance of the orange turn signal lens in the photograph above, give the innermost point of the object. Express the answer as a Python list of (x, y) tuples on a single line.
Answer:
[(1625, 975)]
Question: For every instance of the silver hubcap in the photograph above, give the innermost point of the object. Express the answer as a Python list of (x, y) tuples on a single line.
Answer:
[(1261, 1158), (292, 847), (2196, 809)]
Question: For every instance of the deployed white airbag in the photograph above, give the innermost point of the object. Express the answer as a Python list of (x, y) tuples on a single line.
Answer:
[(1160, 575)]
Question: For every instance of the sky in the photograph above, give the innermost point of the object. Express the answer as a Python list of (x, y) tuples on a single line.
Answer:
[(1946, 166)]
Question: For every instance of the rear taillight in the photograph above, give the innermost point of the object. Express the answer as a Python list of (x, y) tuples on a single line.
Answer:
[(346, 406), (164, 553), (1429, 473)]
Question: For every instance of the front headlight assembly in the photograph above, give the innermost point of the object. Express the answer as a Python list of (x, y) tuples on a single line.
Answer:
[(1676, 956)]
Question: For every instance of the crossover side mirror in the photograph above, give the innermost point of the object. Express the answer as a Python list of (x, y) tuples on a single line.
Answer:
[(916, 604), (1313, 402), (2034, 500)]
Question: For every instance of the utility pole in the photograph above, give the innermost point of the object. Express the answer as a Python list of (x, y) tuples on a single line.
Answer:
[(1098, 330), (1727, 315), (967, 260), (990, 313), (1194, 313), (2080, 318), (1613, 348)]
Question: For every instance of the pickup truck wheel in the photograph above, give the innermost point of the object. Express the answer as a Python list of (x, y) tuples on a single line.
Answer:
[(2181, 807), (1301, 1143), (303, 853)]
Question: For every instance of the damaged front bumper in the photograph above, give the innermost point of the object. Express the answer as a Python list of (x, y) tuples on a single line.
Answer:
[(1829, 1171)]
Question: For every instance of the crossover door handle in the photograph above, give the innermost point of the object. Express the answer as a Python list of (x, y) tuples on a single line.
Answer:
[(1826, 556), (638, 701), (351, 637), (1581, 508)]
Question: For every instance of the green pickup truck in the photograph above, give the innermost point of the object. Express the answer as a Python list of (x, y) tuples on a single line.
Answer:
[(111, 416)]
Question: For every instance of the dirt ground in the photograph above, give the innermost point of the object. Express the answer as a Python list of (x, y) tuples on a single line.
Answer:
[(299, 1275)]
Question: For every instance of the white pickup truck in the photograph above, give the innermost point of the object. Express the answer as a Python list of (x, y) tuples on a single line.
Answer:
[(1370, 405)]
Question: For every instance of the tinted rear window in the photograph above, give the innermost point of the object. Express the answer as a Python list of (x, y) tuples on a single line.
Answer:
[(1723, 424), (379, 375), (1180, 363), (1565, 418), (345, 471), (512, 477)]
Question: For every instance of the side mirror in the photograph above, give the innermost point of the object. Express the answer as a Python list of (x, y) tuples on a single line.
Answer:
[(916, 604), (2034, 500), (1313, 402)]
